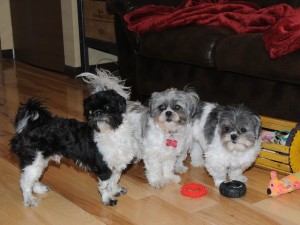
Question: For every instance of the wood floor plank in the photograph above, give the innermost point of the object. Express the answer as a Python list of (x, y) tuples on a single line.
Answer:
[(233, 212), (13, 212), (154, 210), (284, 209)]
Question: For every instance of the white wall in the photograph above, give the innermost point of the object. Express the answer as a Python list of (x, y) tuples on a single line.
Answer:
[(6, 36)]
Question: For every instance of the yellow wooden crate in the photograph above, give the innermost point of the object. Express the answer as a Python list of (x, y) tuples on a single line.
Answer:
[(282, 158)]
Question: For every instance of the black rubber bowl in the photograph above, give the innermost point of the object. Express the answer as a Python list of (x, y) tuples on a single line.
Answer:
[(233, 189)]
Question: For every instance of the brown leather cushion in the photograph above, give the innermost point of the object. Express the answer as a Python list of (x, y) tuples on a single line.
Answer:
[(192, 44), (246, 54)]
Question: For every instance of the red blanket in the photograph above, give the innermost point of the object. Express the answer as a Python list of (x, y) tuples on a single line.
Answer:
[(280, 23), (284, 37)]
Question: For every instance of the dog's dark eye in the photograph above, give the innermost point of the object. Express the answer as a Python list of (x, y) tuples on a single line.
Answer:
[(226, 129), (106, 107), (243, 130), (177, 107), (161, 107)]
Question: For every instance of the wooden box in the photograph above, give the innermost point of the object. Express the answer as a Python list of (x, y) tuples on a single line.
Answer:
[(99, 24), (282, 158)]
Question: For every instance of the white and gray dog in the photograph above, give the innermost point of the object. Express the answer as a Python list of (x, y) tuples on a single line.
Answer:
[(226, 140), (163, 128)]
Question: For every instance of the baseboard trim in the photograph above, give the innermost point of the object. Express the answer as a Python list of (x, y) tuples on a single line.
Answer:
[(72, 71), (7, 54)]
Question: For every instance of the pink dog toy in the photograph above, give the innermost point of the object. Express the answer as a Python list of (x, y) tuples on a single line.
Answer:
[(285, 185)]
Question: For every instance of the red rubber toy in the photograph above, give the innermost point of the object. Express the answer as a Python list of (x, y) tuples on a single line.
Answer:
[(193, 190)]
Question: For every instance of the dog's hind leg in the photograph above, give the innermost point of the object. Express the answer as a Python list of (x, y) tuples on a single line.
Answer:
[(30, 180)]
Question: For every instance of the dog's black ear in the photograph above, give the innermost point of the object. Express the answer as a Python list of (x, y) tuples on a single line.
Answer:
[(86, 107), (122, 104)]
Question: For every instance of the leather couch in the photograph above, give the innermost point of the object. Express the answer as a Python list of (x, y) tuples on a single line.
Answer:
[(221, 65)]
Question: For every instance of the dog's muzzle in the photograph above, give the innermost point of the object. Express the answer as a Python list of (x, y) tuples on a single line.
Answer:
[(169, 116), (233, 137), (97, 113)]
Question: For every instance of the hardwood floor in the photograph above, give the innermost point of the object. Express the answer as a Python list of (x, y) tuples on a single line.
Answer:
[(74, 198)]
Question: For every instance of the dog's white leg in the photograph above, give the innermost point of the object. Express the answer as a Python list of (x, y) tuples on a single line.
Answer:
[(40, 188), (218, 176), (106, 193), (168, 172), (29, 177), (110, 189), (116, 190), (196, 154), (179, 166), (237, 174), (154, 173), (218, 172)]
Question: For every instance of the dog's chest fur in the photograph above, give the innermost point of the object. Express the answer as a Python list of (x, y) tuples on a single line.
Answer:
[(156, 140), (118, 146), (232, 158)]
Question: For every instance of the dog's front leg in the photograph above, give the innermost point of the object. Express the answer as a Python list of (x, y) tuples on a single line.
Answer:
[(168, 172), (179, 166), (154, 173), (109, 189), (218, 172), (237, 174)]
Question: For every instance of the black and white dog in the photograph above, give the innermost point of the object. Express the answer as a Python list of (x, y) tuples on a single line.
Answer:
[(104, 145)]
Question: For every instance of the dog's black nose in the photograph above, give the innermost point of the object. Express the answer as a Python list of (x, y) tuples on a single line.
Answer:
[(168, 113), (269, 191), (97, 113), (233, 137)]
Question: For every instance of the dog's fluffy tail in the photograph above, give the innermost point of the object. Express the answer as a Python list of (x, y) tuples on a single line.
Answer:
[(104, 80), (31, 114)]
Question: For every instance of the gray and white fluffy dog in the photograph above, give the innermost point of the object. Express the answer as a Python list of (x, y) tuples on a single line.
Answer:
[(226, 140), (163, 128)]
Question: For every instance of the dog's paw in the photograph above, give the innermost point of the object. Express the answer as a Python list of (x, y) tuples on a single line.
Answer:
[(175, 179), (110, 202), (241, 178), (218, 182), (122, 191), (197, 163), (31, 201), (40, 188), (157, 184), (181, 169)]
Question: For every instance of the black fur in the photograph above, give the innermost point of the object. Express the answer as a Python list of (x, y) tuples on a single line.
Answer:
[(67, 137)]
